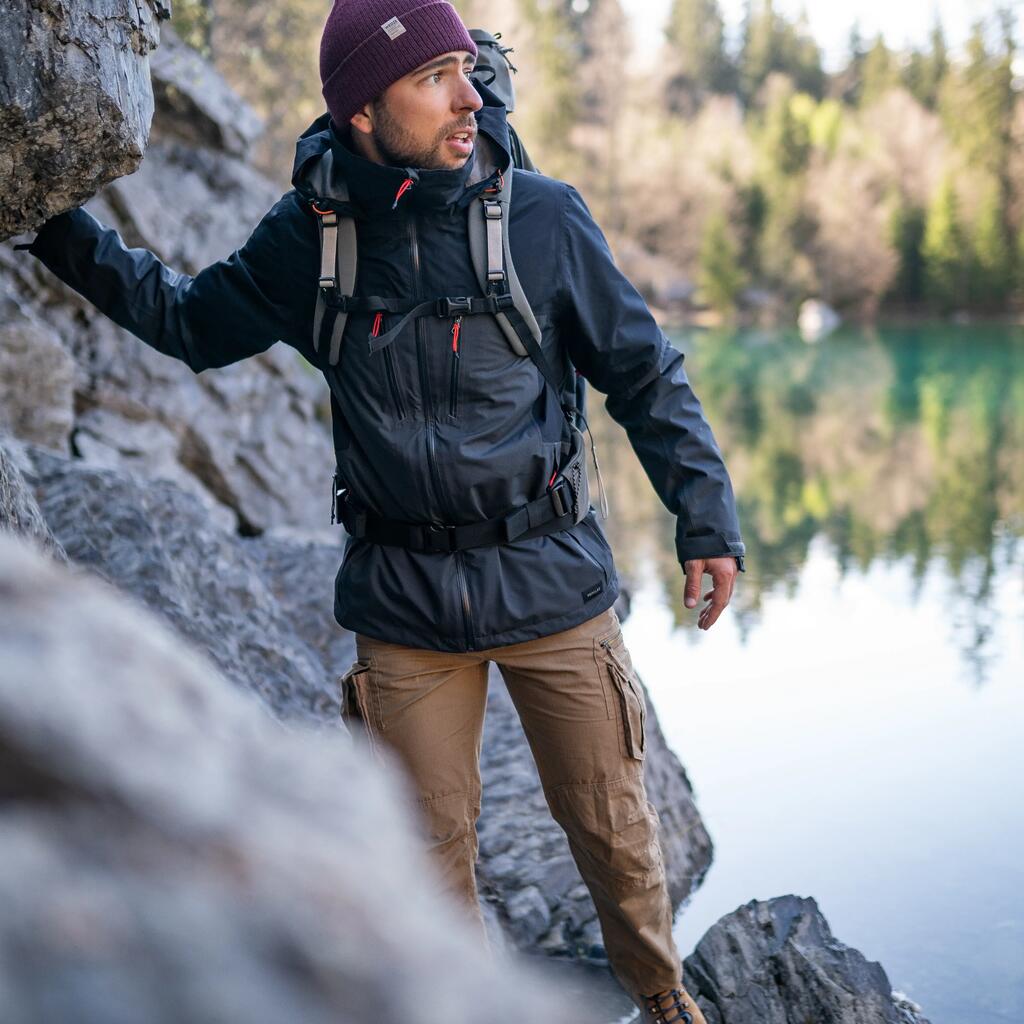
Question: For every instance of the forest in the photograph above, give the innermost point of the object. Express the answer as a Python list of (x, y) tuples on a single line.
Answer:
[(732, 173)]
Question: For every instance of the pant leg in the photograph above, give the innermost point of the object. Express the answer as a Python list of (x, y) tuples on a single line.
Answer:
[(427, 707), (581, 706)]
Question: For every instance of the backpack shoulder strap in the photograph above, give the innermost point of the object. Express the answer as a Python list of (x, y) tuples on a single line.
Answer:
[(338, 259), (492, 261)]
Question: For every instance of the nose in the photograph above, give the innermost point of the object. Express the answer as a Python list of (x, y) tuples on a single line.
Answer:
[(468, 98)]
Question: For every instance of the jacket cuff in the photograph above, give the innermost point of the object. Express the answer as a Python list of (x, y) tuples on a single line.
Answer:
[(714, 545), (51, 235)]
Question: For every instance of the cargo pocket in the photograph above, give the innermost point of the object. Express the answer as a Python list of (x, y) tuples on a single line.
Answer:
[(354, 697), (629, 693)]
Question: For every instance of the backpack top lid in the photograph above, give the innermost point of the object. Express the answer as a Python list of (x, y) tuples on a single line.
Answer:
[(493, 68)]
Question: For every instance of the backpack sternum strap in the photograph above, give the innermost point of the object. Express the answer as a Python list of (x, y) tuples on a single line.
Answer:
[(446, 306)]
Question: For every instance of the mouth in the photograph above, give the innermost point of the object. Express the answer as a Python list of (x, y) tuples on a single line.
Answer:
[(461, 142)]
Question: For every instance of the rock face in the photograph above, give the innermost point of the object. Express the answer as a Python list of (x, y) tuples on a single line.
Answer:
[(250, 438), (170, 853), (19, 511), (215, 588), (75, 101), (777, 962)]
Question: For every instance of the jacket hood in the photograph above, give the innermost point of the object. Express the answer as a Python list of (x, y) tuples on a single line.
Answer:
[(324, 163)]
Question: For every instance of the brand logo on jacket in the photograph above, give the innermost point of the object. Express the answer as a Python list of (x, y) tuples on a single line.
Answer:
[(393, 27), (593, 591)]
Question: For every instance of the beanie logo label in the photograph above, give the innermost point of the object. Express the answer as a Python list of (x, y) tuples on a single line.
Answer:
[(393, 27)]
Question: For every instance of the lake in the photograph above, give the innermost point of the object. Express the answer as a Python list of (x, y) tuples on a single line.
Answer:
[(853, 724)]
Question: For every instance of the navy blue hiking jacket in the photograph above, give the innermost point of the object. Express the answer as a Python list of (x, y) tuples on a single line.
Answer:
[(423, 434)]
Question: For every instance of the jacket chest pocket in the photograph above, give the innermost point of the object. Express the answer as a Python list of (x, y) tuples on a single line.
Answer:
[(388, 367), (628, 694)]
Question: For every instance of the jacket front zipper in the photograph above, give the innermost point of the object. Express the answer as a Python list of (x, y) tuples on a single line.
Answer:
[(428, 416)]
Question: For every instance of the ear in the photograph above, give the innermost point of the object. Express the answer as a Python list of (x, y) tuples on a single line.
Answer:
[(362, 121)]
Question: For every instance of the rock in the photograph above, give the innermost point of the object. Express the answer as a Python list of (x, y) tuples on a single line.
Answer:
[(19, 512), (776, 961), (75, 101), (36, 383), (251, 437), (168, 852), (227, 595), (528, 911), (817, 319), (195, 102)]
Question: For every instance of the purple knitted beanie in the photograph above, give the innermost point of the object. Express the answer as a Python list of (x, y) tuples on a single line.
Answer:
[(368, 44)]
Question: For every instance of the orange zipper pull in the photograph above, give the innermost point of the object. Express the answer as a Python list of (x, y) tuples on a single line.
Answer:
[(456, 330)]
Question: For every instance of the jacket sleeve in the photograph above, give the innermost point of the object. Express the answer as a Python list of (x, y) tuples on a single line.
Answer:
[(235, 308), (615, 342)]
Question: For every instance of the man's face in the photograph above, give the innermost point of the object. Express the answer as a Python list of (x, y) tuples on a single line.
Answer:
[(425, 119)]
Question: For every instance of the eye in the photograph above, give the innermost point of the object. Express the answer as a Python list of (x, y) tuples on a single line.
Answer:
[(436, 75)]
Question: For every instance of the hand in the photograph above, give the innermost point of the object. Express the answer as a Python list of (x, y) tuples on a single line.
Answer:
[(723, 577)]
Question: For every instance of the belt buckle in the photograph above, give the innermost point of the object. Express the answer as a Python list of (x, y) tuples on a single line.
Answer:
[(436, 530), (460, 305)]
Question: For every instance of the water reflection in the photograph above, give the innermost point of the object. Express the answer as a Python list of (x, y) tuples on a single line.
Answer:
[(897, 444)]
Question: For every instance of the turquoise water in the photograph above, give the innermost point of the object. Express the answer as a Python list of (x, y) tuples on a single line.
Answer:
[(853, 725)]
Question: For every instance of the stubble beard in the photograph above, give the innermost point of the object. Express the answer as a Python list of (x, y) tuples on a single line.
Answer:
[(397, 144)]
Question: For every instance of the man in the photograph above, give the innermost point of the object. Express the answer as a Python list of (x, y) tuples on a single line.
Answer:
[(445, 425)]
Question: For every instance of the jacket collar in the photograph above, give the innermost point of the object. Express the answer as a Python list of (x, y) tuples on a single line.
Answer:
[(325, 163)]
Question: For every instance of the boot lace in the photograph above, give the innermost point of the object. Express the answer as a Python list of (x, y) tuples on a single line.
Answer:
[(658, 1012)]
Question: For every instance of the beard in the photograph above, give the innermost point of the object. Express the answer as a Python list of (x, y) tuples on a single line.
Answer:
[(400, 147)]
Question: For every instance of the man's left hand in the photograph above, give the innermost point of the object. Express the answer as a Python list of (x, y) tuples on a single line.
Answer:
[(723, 576)]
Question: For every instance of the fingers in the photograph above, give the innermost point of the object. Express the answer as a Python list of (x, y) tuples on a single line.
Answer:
[(694, 568), (723, 575)]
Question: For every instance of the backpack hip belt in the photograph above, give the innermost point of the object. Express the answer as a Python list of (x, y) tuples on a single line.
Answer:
[(565, 501)]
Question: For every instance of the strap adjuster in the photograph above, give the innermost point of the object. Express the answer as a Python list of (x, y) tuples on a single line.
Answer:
[(562, 504), (449, 306)]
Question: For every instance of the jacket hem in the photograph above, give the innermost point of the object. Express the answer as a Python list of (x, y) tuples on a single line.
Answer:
[(486, 641)]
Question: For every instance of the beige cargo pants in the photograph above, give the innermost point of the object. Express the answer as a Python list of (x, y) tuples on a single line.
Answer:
[(583, 713)]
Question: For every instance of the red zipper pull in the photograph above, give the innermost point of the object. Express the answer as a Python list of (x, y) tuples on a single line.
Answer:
[(402, 189), (456, 330), (376, 325)]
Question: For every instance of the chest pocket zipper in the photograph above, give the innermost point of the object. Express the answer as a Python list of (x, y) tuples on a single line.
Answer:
[(389, 368), (453, 387)]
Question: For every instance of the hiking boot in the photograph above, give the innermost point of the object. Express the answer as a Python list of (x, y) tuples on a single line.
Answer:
[(673, 1006)]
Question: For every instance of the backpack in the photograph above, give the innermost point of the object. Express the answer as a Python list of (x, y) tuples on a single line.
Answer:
[(567, 500)]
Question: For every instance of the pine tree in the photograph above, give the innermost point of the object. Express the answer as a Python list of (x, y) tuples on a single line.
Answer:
[(991, 278), (696, 36), (906, 235), (926, 70), (944, 250), (721, 276), (879, 74), (977, 103)]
